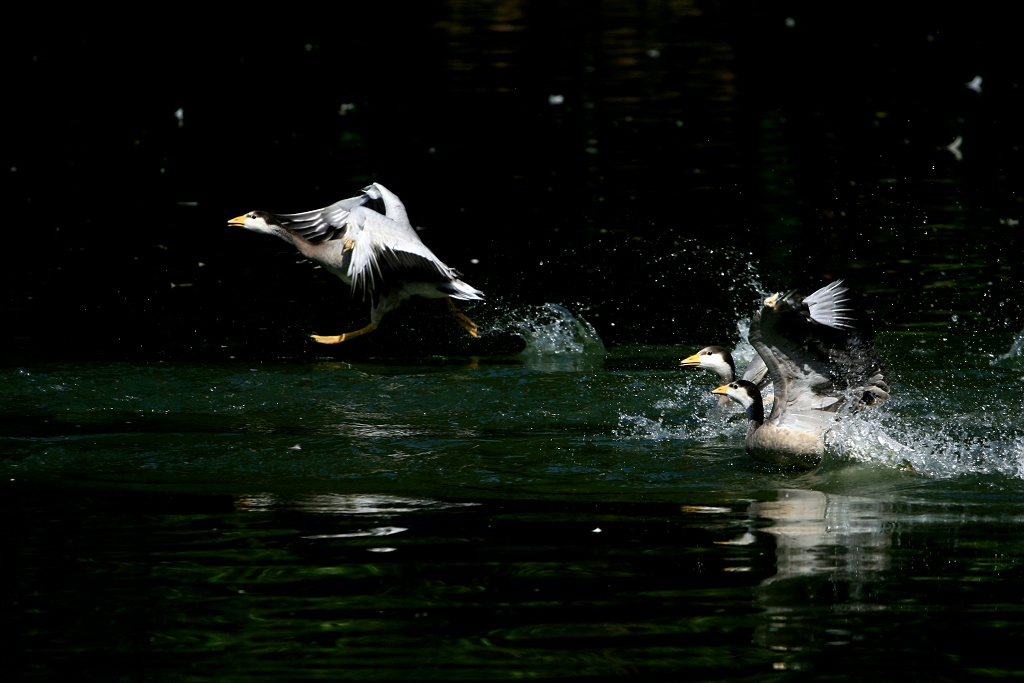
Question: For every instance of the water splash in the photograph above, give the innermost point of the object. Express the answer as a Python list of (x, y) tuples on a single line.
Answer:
[(552, 330), (685, 412), (743, 352), (923, 438), (921, 431), (930, 446), (692, 424), (753, 279), (1014, 358)]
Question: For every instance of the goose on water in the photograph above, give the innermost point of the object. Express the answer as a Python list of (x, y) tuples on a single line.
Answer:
[(820, 359), (719, 360)]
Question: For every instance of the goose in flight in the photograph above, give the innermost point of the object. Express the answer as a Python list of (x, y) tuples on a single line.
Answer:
[(819, 357), (369, 243)]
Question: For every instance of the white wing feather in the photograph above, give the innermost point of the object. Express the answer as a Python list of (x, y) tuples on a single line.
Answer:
[(376, 237)]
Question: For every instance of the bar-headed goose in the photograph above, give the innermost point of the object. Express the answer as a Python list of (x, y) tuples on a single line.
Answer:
[(819, 357), (719, 360), (369, 243)]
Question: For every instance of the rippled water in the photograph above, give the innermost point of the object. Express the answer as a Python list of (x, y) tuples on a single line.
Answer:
[(567, 511)]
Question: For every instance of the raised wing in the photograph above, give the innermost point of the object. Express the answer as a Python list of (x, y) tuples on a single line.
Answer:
[(330, 222), (757, 372), (382, 248), (379, 242), (819, 355)]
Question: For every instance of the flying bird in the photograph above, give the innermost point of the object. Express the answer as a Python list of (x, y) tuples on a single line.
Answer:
[(369, 243)]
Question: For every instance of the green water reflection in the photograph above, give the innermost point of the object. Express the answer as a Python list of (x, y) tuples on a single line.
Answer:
[(794, 580)]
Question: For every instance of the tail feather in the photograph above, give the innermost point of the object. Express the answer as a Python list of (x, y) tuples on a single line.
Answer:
[(457, 289)]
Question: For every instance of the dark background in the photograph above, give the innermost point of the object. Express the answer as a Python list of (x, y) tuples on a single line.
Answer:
[(691, 150)]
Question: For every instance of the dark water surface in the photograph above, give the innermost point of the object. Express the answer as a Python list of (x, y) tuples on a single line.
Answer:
[(547, 515), (194, 491)]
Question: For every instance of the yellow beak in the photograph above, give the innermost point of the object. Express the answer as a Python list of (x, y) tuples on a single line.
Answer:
[(690, 361)]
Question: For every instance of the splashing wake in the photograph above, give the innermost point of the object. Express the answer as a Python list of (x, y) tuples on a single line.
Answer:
[(924, 429)]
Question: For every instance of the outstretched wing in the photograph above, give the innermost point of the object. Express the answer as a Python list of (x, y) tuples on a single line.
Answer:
[(384, 249), (379, 243), (819, 355), (330, 222)]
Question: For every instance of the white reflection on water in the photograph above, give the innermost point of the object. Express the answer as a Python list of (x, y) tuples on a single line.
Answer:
[(836, 557), (342, 504), (804, 523), (373, 531), (842, 539)]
